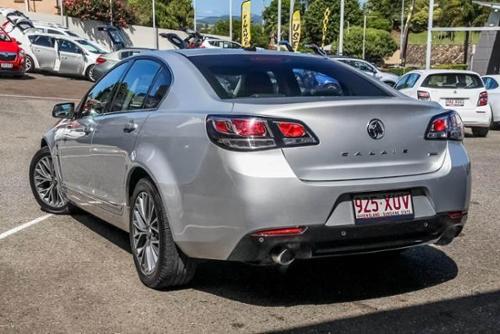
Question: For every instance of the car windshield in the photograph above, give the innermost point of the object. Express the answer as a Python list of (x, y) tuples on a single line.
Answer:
[(453, 81), (90, 47), (257, 76)]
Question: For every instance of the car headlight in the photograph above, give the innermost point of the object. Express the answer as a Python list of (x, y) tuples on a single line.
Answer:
[(22, 53)]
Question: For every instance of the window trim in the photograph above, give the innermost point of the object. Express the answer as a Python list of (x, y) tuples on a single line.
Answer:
[(162, 64)]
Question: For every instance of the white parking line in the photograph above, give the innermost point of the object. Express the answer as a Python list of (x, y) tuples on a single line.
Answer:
[(39, 97), (23, 226)]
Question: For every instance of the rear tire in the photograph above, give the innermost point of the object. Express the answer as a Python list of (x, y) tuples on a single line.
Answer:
[(480, 132), (45, 185), (90, 73), (159, 263)]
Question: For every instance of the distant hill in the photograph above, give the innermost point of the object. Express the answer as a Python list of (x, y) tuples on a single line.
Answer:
[(210, 20)]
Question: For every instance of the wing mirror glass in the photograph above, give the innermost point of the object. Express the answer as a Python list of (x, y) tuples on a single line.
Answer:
[(63, 110)]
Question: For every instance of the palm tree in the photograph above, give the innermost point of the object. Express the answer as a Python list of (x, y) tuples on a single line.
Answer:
[(463, 13)]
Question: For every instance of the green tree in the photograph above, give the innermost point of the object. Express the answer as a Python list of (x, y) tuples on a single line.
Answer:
[(100, 10), (379, 44), (259, 37), (463, 13), (170, 14), (270, 16), (313, 19)]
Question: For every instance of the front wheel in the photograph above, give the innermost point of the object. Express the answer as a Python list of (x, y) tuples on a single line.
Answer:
[(159, 263), (480, 132), (29, 65), (45, 185)]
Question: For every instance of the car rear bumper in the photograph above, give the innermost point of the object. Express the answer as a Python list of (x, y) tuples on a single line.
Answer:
[(321, 240), (476, 117), (248, 192)]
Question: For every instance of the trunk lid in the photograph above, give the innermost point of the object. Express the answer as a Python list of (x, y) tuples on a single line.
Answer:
[(346, 151)]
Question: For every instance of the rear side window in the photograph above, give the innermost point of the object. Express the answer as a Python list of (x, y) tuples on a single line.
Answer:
[(490, 83), (158, 90), (132, 91), (258, 76), (452, 81), (408, 81)]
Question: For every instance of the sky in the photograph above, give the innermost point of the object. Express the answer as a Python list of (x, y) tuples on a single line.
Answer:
[(206, 8)]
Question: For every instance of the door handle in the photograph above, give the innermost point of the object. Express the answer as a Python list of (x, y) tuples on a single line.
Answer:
[(130, 127), (88, 130)]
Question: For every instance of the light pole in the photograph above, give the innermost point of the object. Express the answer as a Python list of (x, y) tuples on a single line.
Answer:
[(402, 26), (429, 36), (292, 7), (341, 29), (111, 12), (194, 11), (364, 36), (155, 30), (279, 23), (63, 21), (231, 20)]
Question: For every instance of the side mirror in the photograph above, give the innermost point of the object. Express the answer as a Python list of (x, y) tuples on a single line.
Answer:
[(63, 110)]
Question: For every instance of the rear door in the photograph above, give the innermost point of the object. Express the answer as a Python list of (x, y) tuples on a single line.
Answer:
[(139, 93), (43, 48), (71, 57)]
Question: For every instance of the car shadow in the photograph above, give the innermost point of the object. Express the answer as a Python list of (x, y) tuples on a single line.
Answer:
[(479, 313), (319, 281)]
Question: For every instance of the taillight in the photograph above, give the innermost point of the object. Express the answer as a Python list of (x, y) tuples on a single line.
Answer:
[(448, 126), (483, 99), (423, 95), (100, 60), (250, 133)]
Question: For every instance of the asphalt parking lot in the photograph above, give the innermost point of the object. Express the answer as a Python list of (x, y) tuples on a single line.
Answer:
[(75, 273)]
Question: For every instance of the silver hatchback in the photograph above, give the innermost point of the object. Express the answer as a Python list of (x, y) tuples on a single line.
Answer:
[(258, 157)]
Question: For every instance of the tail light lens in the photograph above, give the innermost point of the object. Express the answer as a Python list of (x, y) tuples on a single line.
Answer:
[(423, 95), (483, 99), (250, 133), (448, 126), (100, 60)]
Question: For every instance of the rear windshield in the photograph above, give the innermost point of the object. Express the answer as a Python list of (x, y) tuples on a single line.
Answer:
[(258, 76), (452, 80)]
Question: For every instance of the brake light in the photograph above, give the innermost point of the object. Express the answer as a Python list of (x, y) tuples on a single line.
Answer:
[(100, 60), (280, 232), (483, 99), (448, 126), (248, 133), (423, 95)]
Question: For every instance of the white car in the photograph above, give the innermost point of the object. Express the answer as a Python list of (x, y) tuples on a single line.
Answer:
[(492, 84), (61, 54), (462, 91), (211, 43), (369, 69), (51, 28)]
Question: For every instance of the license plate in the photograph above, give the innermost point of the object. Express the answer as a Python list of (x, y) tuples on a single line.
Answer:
[(6, 65), (454, 102), (388, 206)]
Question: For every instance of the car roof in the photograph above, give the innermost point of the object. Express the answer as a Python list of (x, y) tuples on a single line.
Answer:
[(220, 51), (494, 76), (428, 72)]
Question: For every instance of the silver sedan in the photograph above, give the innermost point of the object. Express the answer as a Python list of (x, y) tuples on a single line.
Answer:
[(258, 157)]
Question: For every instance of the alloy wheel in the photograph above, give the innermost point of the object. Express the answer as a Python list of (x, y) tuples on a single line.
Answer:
[(46, 183), (145, 233)]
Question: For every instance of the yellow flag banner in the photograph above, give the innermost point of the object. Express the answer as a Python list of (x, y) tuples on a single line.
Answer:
[(296, 26), (326, 19), (246, 23)]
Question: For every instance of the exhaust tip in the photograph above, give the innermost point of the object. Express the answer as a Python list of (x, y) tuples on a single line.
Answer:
[(283, 256)]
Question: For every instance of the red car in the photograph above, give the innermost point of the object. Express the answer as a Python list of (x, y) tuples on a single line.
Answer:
[(11, 55)]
